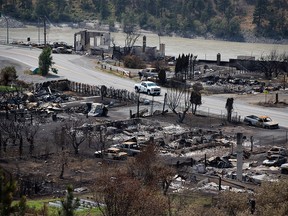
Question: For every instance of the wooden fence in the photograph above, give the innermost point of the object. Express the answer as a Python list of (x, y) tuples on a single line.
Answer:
[(91, 90)]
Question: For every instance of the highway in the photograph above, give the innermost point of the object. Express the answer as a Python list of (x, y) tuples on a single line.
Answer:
[(77, 68)]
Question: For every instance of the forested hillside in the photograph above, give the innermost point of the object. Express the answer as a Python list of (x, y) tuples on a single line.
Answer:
[(226, 19)]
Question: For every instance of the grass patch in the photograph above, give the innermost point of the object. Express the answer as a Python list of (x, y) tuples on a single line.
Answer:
[(28, 72), (191, 200), (7, 88), (37, 206)]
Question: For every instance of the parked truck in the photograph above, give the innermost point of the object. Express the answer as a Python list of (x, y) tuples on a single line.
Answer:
[(261, 121), (148, 87)]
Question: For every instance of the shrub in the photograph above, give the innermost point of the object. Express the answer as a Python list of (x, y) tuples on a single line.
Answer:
[(132, 61), (8, 75)]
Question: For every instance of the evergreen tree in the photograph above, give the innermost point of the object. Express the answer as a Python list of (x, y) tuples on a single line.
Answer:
[(162, 76), (7, 189), (46, 62), (185, 18), (104, 10), (69, 204), (178, 65), (260, 13), (21, 207), (42, 8)]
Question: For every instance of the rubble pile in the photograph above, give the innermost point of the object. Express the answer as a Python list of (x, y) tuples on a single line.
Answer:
[(196, 153), (229, 84), (44, 99), (201, 156)]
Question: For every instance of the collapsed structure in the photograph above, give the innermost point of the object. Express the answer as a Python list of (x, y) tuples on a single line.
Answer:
[(200, 155)]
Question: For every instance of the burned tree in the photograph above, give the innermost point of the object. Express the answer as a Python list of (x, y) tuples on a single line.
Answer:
[(60, 140), (100, 137), (75, 134), (229, 108), (131, 37), (12, 132), (150, 170), (4, 138), (30, 132), (178, 98), (195, 98), (272, 64), (123, 194)]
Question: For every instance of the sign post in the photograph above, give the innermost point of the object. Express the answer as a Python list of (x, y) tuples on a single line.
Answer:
[(265, 93)]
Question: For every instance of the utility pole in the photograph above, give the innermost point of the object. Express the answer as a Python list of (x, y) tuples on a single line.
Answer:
[(7, 27), (38, 30), (44, 31)]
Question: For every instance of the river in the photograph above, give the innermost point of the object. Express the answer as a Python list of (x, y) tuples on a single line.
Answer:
[(204, 49)]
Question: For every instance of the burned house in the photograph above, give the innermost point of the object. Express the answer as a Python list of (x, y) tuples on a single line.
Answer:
[(98, 42), (92, 41), (143, 52)]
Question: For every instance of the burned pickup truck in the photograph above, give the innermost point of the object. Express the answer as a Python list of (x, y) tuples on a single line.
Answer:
[(111, 153), (261, 121)]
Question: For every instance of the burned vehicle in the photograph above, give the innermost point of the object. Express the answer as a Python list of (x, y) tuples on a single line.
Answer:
[(111, 153), (261, 121), (275, 150), (130, 147), (275, 160)]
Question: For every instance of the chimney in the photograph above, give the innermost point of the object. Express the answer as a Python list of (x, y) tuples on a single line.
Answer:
[(239, 152), (144, 44)]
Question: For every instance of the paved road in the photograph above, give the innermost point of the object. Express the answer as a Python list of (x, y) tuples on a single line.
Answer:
[(77, 68)]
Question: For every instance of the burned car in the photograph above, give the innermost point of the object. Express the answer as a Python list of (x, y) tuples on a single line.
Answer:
[(275, 150), (275, 160), (111, 153)]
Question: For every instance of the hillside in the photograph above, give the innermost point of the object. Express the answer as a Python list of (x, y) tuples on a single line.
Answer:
[(221, 19)]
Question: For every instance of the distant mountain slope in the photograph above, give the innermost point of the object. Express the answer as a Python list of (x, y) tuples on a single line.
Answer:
[(223, 19)]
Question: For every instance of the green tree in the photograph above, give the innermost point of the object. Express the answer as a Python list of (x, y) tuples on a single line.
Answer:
[(207, 13), (162, 76), (46, 62), (7, 189), (104, 10), (8, 75), (234, 28), (42, 8), (24, 9), (223, 5), (22, 206), (260, 12), (69, 204)]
